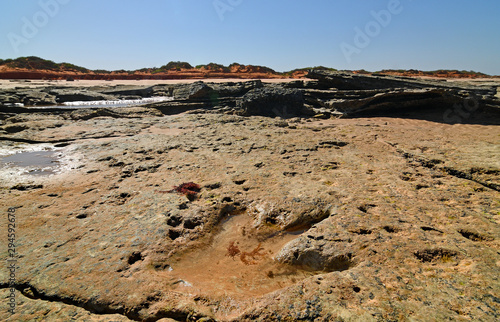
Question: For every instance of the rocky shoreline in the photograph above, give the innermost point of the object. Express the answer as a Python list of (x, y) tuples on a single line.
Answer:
[(329, 93), (345, 197)]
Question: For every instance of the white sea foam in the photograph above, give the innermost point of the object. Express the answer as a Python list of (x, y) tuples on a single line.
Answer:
[(104, 103), (147, 100)]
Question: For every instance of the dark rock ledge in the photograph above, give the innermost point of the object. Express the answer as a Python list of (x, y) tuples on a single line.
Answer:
[(329, 93)]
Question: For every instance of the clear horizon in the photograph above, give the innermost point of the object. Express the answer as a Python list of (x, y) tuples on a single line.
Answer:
[(282, 35)]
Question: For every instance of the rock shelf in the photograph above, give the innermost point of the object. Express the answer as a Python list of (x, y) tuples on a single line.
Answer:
[(345, 197)]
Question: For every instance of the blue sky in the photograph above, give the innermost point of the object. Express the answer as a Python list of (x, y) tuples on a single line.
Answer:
[(281, 34)]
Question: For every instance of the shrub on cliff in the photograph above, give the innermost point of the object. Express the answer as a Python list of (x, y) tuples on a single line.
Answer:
[(176, 65), (215, 67), (305, 69), (37, 63)]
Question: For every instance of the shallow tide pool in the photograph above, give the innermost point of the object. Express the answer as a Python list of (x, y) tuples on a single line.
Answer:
[(33, 162)]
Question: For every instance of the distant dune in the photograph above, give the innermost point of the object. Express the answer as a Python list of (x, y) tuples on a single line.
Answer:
[(38, 68), (442, 73)]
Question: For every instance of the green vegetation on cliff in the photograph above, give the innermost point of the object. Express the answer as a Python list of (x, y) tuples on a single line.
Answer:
[(214, 67), (178, 65), (305, 69), (33, 62), (37, 63), (439, 72)]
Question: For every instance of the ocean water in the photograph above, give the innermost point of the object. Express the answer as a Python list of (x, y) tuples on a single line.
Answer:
[(118, 103), (114, 103)]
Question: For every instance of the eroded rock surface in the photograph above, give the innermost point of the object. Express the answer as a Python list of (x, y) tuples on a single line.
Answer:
[(356, 94), (271, 102), (368, 218)]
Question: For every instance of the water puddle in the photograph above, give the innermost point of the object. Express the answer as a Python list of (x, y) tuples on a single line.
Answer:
[(36, 163), (239, 261)]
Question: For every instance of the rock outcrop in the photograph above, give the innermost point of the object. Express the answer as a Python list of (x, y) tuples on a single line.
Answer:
[(271, 102), (356, 94), (196, 91), (71, 95), (330, 93)]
